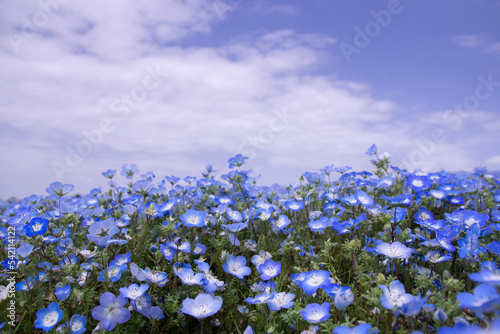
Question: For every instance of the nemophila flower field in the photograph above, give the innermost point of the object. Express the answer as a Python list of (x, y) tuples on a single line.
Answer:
[(340, 251)]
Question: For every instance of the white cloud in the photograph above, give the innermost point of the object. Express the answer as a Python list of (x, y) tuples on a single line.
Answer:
[(470, 41), (477, 41), (204, 105)]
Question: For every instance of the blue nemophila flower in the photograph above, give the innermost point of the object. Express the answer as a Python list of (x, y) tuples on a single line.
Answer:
[(36, 226), (261, 298), (184, 246), (210, 283), (77, 324), (128, 171), (142, 302), (314, 313), (260, 258), (412, 306), (236, 266), (156, 277), (294, 205), (123, 258), (101, 232), (110, 173), (314, 280), (199, 249), (319, 225), (112, 273), (403, 199), (154, 312), (395, 295), (470, 217), (204, 305), (469, 246), (25, 250), (188, 277), (269, 269), (193, 218), (359, 329), (395, 250), (235, 227), (234, 215), (168, 252), (364, 199), (237, 161), (372, 150), (419, 182), (111, 311), (281, 300), (281, 223), (47, 318), (437, 257), (343, 298), (59, 189), (63, 292), (134, 290), (484, 299)]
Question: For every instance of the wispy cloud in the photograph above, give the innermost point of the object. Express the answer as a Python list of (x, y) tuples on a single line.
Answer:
[(477, 41)]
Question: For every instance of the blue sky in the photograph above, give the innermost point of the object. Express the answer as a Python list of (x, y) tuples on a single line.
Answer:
[(295, 85)]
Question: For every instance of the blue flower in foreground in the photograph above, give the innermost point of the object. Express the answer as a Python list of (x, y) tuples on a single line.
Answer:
[(419, 182), (364, 199), (314, 313), (343, 298), (294, 205), (318, 225), (102, 231), (269, 269), (236, 266), (63, 292), (47, 318), (204, 305), (154, 312), (261, 298), (77, 324), (111, 311), (281, 300), (199, 249), (112, 273), (314, 280), (168, 252), (189, 277), (484, 299), (193, 218), (395, 250), (359, 329), (142, 302), (412, 306), (395, 295), (36, 226), (133, 291)]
